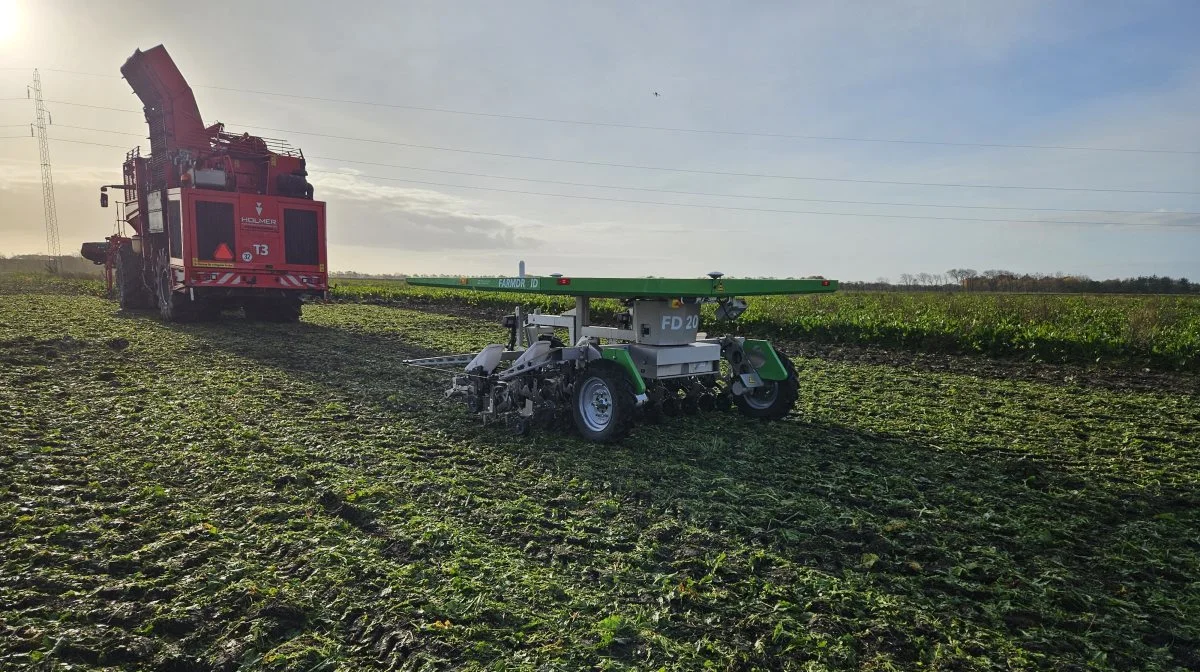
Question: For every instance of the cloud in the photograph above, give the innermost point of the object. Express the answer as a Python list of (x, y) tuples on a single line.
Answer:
[(1166, 219), (364, 213)]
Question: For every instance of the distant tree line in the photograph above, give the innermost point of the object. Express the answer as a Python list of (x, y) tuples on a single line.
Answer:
[(970, 280), (953, 280), (370, 276), (38, 263), (997, 280)]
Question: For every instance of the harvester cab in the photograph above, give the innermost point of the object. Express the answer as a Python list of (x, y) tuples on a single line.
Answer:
[(216, 219), (651, 364)]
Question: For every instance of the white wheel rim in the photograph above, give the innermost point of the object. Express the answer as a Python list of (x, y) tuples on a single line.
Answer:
[(762, 397), (595, 404)]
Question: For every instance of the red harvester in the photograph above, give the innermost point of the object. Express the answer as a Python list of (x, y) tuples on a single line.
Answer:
[(219, 220)]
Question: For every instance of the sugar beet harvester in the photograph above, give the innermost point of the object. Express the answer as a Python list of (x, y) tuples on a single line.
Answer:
[(219, 220), (653, 363)]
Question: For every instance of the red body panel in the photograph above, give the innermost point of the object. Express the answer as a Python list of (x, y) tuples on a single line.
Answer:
[(258, 249), (169, 104)]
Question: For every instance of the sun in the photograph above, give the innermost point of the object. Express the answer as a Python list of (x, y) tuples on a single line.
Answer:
[(10, 16)]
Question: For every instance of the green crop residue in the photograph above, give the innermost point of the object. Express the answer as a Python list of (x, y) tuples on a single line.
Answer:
[(253, 496)]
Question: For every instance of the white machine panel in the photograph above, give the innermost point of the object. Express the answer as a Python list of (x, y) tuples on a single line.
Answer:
[(154, 211), (666, 361)]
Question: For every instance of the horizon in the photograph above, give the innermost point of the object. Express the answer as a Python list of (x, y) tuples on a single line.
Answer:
[(918, 279)]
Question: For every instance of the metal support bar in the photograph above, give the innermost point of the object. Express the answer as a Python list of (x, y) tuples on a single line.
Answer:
[(611, 333), (458, 360), (583, 316), (540, 320)]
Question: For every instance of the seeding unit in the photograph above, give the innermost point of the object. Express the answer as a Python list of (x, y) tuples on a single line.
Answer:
[(653, 363)]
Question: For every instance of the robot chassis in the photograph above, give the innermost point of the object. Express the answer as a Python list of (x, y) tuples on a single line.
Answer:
[(605, 379)]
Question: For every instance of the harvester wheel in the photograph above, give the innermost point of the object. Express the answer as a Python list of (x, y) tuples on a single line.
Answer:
[(172, 306), (209, 311), (287, 311), (130, 288), (604, 403), (273, 310), (775, 399)]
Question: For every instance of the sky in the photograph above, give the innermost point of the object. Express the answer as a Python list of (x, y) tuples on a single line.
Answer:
[(435, 90)]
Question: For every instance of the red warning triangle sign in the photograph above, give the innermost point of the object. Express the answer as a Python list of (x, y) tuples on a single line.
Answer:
[(223, 253)]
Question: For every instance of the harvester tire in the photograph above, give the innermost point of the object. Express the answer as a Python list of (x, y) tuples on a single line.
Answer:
[(272, 310), (603, 404), (287, 311), (209, 312), (775, 399), (128, 283), (172, 306)]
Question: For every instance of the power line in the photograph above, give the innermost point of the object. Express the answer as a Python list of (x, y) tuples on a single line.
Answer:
[(82, 142), (716, 172), (674, 129), (94, 107), (744, 196), (99, 130), (77, 142), (527, 157), (772, 210), (673, 191), (779, 136), (747, 209)]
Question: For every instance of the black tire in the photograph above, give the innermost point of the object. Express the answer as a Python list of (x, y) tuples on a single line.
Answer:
[(172, 306), (287, 310), (128, 283), (272, 310), (209, 311), (256, 310), (775, 399), (603, 402)]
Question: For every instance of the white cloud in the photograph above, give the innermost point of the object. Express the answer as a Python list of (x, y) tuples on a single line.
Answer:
[(362, 212)]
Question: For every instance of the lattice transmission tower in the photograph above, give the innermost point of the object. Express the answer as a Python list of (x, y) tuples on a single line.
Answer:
[(53, 250)]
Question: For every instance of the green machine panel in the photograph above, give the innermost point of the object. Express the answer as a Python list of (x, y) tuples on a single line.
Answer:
[(634, 287)]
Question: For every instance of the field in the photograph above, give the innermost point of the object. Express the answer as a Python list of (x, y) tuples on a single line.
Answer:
[(290, 497), (1158, 332)]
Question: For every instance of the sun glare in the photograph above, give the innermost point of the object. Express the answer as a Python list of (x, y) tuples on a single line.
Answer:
[(9, 17)]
